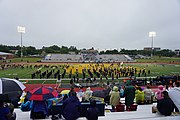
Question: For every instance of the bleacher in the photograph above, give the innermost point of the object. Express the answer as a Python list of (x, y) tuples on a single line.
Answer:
[(86, 58), (62, 58), (111, 58), (144, 112)]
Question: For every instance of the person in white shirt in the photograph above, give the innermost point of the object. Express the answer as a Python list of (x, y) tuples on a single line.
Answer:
[(88, 94), (148, 95), (174, 94)]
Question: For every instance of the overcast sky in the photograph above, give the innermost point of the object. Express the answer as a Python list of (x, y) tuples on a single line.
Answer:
[(102, 24)]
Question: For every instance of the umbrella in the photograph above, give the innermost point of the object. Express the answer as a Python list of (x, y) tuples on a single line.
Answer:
[(4, 98), (98, 93), (42, 93), (13, 88), (65, 91)]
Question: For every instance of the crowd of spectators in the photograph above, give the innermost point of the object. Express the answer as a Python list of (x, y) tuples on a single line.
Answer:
[(167, 101)]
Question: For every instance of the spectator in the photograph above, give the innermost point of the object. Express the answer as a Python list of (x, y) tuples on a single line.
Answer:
[(139, 93), (129, 94), (15, 101), (71, 107), (114, 97), (71, 91), (148, 95), (92, 111), (159, 93), (5, 113), (39, 110), (65, 97), (174, 94), (11, 108), (88, 94), (165, 106), (80, 93), (106, 91), (121, 91), (26, 105)]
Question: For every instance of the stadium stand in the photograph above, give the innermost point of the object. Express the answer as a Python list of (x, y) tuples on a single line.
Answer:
[(87, 56)]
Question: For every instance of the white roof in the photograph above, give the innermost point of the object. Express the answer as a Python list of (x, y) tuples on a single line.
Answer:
[(3, 53)]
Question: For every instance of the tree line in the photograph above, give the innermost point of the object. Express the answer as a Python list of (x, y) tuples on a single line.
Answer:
[(30, 50)]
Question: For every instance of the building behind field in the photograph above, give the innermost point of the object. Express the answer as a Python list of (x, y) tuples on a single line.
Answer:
[(4, 56)]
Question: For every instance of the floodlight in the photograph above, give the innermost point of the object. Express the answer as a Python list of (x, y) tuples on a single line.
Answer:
[(21, 29), (152, 34)]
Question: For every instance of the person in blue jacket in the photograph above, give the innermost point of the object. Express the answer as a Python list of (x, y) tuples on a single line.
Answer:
[(92, 111), (26, 106), (39, 110), (71, 107), (5, 113)]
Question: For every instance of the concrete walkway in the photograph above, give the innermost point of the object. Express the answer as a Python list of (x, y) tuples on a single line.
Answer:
[(143, 113)]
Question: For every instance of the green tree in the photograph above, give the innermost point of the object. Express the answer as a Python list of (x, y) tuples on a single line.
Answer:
[(31, 50), (4, 48), (55, 48), (64, 50)]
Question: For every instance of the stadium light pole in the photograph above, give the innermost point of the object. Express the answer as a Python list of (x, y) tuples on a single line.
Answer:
[(21, 30), (152, 35)]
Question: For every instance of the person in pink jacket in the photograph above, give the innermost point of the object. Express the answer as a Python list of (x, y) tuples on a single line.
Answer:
[(159, 92)]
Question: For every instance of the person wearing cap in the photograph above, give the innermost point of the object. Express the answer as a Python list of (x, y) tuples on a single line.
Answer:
[(114, 97)]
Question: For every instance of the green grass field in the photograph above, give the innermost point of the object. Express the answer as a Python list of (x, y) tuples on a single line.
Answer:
[(24, 59), (156, 69), (160, 59), (160, 69)]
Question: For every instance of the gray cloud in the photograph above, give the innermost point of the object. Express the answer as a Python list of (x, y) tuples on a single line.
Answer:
[(103, 24)]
